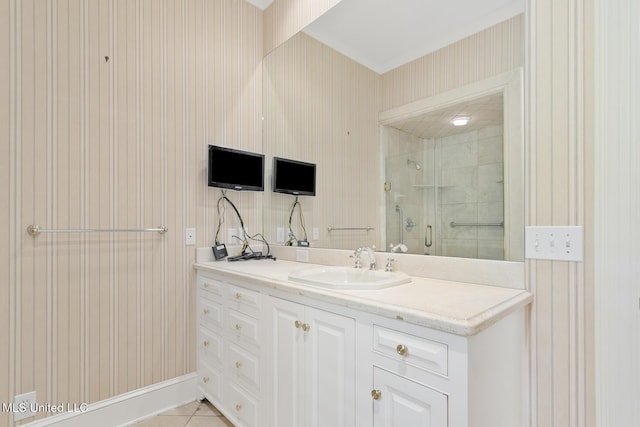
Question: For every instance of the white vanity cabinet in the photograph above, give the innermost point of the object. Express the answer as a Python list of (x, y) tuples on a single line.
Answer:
[(423, 377), (271, 354), (229, 349), (401, 402), (313, 366), (400, 397)]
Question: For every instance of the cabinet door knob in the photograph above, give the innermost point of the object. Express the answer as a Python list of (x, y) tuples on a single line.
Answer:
[(238, 407), (238, 295), (206, 285), (297, 324), (402, 349), (306, 327), (206, 343), (238, 365), (238, 326), (376, 394), (205, 380), (206, 311)]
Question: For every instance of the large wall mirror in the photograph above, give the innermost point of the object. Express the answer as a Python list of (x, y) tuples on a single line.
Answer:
[(371, 105)]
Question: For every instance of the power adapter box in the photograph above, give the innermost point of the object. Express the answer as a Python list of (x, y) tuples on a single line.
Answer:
[(219, 251)]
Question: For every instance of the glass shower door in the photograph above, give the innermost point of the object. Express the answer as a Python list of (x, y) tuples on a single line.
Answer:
[(410, 201)]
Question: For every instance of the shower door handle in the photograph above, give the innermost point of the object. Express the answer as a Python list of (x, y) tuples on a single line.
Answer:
[(428, 236)]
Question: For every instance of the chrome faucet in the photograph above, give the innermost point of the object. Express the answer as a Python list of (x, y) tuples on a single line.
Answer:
[(372, 257)]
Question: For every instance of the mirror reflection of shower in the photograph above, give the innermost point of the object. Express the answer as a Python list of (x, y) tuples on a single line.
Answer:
[(446, 193)]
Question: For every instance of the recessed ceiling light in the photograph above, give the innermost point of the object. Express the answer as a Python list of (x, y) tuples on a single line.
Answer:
[(460, 121)]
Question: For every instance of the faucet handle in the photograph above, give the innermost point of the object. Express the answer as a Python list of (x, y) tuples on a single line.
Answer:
[(400, 247), (356, 255), (389, 266)]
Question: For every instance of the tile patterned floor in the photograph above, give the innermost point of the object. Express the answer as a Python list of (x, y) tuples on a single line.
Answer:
[(195, 414)]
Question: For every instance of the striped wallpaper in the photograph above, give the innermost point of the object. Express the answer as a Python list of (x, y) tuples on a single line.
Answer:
[(322, 107), (106, 111)]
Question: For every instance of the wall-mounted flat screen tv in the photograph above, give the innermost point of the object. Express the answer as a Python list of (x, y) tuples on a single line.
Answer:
[(294, 177), (235, 169)]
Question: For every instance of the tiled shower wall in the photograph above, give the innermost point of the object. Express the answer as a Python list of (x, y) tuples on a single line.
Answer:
[(471, 191)]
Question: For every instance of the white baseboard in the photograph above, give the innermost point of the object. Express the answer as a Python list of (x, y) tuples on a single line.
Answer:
[(129, 407)]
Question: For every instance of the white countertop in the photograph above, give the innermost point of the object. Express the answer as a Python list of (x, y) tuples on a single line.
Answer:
[(460, 308)]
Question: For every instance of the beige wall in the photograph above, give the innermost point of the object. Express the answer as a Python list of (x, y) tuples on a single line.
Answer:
[(91, 143), (559, 187), (322, 107), (490, 52)]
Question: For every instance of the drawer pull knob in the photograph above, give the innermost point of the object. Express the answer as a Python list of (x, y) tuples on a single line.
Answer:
[(206, 311), (206, 343), (206, 285), (306, 327), (402, 349), (297, 324), (238, 295), (238, 407), (376, 394), (238, 326), (205, 380), (238, 365)]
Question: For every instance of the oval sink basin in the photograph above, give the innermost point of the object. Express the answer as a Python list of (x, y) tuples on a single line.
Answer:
[(348, 278)]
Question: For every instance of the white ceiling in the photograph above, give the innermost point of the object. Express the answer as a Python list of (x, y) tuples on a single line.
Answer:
[(483, 112), (384, 34), (260, 4)]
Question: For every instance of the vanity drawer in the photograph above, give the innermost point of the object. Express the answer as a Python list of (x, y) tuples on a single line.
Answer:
[(210, 381), (243, 406), (209, 313), (243, 365), (209, 346), (242, 327), (417, 351), (210, 288), (243, 300)]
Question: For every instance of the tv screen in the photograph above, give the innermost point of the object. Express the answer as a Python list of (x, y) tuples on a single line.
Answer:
[(294, 177), (235, 169)]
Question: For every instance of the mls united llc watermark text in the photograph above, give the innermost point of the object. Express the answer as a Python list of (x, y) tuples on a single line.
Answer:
[(49, 408)]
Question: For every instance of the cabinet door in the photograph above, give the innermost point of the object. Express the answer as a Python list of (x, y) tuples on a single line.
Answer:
[(287, 368), (402, 402), (329, 369)]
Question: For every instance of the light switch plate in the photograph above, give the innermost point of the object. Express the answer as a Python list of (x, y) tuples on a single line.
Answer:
[(561, 243), (316, 233), (280, 235), (24, 406)]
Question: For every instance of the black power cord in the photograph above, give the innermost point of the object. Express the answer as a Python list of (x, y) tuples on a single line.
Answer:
[(246, 253), (292, 236)]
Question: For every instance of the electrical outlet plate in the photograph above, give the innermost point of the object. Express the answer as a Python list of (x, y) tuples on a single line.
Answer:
[(302, 255), (23, 405), (554, 243), (280, 233), (189, 236), (231, 232), (316, 233)]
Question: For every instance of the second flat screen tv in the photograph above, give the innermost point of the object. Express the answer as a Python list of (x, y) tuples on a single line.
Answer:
[(235, 169), (294, 177)]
